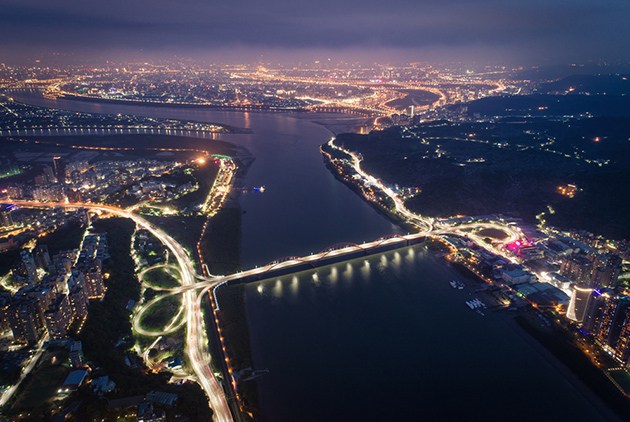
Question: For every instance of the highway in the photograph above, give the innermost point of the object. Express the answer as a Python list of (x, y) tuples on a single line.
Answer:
[(196, 344)]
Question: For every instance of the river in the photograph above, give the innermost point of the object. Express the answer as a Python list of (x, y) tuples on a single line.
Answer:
[(303, 210), (383, 338)]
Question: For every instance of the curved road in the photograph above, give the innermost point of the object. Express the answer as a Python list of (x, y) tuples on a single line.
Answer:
[(196, 344)]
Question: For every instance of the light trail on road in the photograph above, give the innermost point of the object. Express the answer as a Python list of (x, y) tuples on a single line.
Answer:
[(196, 350)]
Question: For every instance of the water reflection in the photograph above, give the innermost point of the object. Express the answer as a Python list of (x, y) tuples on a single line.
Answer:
[(277, 289), (294, 285), (333, 276), (365, 269), (347, 273)]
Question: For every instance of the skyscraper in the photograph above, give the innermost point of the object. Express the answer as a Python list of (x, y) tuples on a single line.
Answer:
[(42, 257), (59, 169), (579, 302), (613, 321), (28, 264)]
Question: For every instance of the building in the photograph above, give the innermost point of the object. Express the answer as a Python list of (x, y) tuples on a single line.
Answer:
[(147, 413), (58, 317), (612, 321), (517, 276), (577, 268), (73, 380), (42, 257), (580, 297), (59, 169), (21, 316), (7, 220), (103, 385), (29, 266), (606, 270), (94, 280), (543, 295), (622, 351), (40, 297), (79, 302), (76, 354), (595, 310)]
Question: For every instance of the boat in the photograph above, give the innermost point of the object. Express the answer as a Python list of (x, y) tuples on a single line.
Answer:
[(480, 313), (456, 284)]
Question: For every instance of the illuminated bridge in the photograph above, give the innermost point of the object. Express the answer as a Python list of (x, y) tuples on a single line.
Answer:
[(330, 255)]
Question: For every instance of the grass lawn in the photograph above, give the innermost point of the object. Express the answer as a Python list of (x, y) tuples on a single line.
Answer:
[(160, 278), (161, 313), (622, 378), (42, 387)]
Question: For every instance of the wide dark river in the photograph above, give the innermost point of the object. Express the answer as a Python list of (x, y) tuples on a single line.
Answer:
[(378, 339)]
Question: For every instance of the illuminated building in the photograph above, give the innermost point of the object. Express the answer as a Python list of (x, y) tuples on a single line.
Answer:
[(612, 321), (41, 180), (58, 317), (42, 257), (50, 175), (606, 270), (595, 310), (578, 306), (28, 264), (21, 318), (7, 221), (15, 192), (59, 169), (622, 351), (78, 294), (94, 282), (577, 268)]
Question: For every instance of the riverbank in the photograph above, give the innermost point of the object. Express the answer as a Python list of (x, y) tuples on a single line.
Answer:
[(571, 364), (554, 344), (377, 203)]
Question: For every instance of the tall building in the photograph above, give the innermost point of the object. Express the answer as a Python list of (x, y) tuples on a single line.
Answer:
[(622, 351), (58, 317), (21, 317), (78, 294), (59, 169), (50, 175), (28, 264), (94, 282), (577, 268), (612, 321), (606, 270), (42, 257), (79, 302), (40, 297), (578, 306), (595, 310), (7, 220)]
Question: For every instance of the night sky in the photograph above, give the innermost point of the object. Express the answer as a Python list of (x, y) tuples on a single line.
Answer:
[(494, 31)]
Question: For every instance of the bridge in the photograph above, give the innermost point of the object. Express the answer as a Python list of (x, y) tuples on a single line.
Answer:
[(194, 287)]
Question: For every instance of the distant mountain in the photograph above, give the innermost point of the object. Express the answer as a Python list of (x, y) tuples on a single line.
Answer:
[(589, 84), (549, 73), (552, 105)]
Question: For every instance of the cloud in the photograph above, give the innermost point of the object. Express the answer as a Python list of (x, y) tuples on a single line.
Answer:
[(535, 28)]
